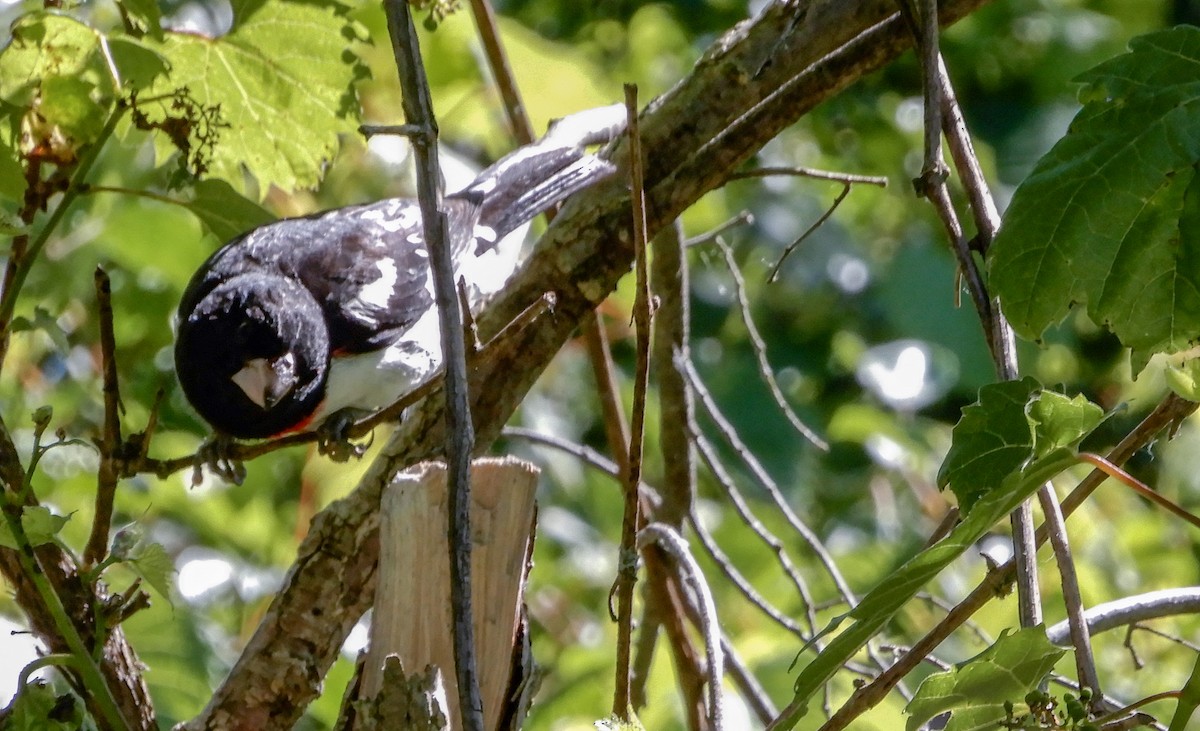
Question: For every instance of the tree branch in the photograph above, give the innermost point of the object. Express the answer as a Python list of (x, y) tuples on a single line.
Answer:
[(752, 83)]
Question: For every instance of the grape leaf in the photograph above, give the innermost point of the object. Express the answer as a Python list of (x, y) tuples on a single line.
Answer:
[(1012, 424), (975, 690), (144, 15), (39, 524), (38, 707), (1108, 218), (991, 440), (282, 80), (224, 211), (151, 562), (1184, 379), (1034, 432), (56, 66)]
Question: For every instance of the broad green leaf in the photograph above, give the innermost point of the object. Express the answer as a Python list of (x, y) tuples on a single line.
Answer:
[(1005, 432), (12, 183), (991, 440), (282, 81), (1184, 379), (38, 707), (1108, 218), (224, 211), (71, 105), (138, 63), (881, 603), (1012, 423), (46, 46), (975, 690), (143, 15), (40, 525), (151, 562), (1060, 422)]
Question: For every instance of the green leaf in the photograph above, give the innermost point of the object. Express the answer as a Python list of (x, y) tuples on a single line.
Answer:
[(38, 708), (975, 690), (12, 185), (1006, 446), (71, 105), (991, 440), (46, 46), (1011, 424), (224, 211), (1108, 218), (151, 562), (47, 323), (143, 15), (40, 525), (282, 78), (1060, 422), (881, 603), (1184, 379), (138, 63)]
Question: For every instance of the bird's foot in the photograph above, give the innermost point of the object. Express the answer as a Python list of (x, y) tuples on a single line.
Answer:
[(216, 455), (333, 440)]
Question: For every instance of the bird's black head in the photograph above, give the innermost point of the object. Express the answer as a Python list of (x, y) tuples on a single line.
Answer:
[(253, 356)]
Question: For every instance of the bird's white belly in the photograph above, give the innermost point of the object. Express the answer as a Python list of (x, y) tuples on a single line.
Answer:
[(372, 381)]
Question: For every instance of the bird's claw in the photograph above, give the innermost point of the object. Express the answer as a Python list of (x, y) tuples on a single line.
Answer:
[(333, 442), (215, 454)]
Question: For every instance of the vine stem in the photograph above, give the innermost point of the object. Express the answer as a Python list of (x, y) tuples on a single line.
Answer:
[(88, 670)]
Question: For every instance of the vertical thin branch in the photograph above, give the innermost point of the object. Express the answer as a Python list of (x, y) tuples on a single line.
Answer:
[(932, 185), (514, 108), (669, 276), (627, 569), (460, 435), (670, 541), (110, 441), (1085, 662)]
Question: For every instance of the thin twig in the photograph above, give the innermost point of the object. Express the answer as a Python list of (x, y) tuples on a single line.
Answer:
[(22, 257), (460, 434), (1081, 639), (730, 435), (627, 565), (744, 586), (401, 130), (110, 441), (729, 487), (514, 108), (743, 218), (1139, 487), (670, 541), (669, 277), (932, 185), (773, 275), (803, 172), (760, 351)]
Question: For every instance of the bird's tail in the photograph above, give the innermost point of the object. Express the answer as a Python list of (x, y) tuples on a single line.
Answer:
[(533, 178)]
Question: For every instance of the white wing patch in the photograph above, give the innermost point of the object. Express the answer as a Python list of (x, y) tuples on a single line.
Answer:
[(375, 296)]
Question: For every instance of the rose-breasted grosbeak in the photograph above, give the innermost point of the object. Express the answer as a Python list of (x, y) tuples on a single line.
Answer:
[(303, 318)]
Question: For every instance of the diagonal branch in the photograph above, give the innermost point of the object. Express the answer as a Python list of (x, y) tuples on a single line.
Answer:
[(752, 83)]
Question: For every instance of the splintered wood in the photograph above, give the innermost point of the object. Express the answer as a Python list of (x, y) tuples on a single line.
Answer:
[(412, 606)]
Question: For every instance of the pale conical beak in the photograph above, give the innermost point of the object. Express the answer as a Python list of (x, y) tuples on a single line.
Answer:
[(267, 382)]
